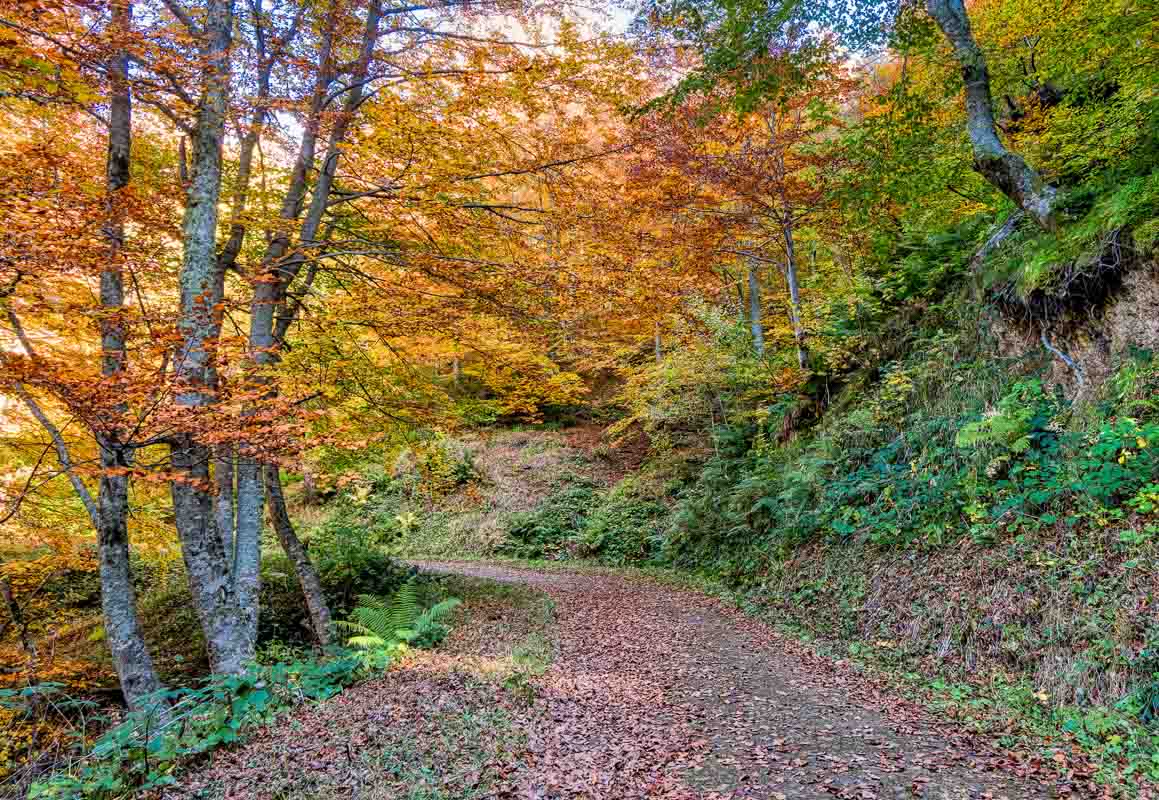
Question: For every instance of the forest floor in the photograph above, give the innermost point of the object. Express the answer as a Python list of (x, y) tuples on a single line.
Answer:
[(564, 685)]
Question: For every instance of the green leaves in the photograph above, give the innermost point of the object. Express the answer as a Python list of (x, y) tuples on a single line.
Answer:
[(378, 624), (142, 752), (546, 531), (1010, 428), (755, 52)]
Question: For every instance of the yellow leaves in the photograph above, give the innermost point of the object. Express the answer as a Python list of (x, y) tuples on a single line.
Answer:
[(525, 383), (27, 577), (27, 735), (360, 495)]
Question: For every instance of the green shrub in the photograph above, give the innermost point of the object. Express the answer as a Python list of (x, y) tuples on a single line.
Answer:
[(142, 752), (547, 531), (351, 562), (947, 443), (1022, 415), (626, 526), (283, 617), (379, 624)]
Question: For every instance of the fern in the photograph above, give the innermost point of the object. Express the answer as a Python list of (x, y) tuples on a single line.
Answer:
[(1022, 413), (428, 629), (377, 623)]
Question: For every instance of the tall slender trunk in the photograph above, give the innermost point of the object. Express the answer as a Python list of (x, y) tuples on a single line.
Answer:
[(139, 682), (239, 495), (225, 598), (794, 290), (280, 267), (755, 323), (786, 224), (303, 567), (270, 289), (656, 345), (1007, 171), (247, 548)]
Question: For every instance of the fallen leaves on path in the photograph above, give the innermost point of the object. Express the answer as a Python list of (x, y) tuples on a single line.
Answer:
[(653, 692)]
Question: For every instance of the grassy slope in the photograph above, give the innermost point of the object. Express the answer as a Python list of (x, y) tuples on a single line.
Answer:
[(516, 471)]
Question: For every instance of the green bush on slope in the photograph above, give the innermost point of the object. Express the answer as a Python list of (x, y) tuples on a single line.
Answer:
[(547, 531), (626, 526)]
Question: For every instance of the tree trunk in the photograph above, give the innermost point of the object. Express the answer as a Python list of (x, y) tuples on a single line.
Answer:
[(211, 583), (280, 267), (224, 475), (794, 290), (303, 566), (309, 488), (193, 366), (247, 562), (217, 596), (740, 302), (755, 323), (656, 344), (786, 223), (240, 496), (139, 682), (1007, 171), (134, 665)]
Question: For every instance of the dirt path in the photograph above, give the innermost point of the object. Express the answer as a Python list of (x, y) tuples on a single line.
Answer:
[(657, 692), (563, 686)]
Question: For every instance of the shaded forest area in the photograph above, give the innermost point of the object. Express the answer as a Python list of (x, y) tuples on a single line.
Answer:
[(843, 313)]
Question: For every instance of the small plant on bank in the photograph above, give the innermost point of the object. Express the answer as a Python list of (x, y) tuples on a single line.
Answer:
[(378, 624)]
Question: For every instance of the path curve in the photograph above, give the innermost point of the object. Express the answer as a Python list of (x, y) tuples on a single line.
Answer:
[(666, 693)]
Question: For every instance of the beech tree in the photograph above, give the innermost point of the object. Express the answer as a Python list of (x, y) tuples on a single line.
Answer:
[(259, 115), (760, 177), (1008, 171), (94, 67), (131, 657), (756, 52)]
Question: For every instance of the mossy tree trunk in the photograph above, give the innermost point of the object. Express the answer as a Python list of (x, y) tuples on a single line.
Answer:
[(304, 569), (139, 682), (1005, 170)]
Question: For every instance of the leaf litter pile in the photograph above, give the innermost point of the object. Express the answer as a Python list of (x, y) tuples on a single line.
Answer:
[(641, 691)]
